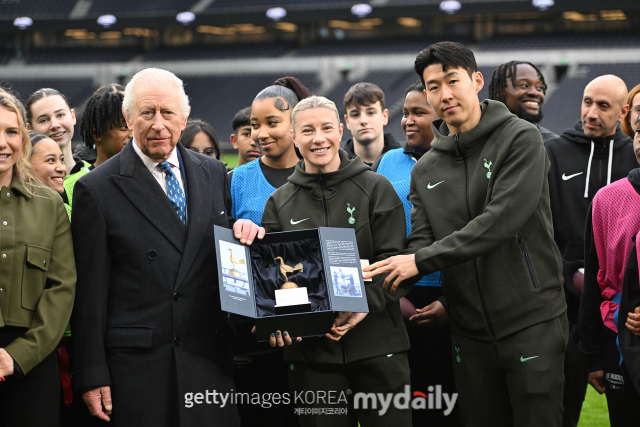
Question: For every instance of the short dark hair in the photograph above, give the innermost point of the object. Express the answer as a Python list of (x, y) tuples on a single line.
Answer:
[(242, 118), (362, 95), (40, 94), (449, 55), (498, 82), (102, 112), (110, 88), (416, 86), (194, 127)]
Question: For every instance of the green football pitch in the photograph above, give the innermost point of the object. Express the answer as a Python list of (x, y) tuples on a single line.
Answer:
[(594, 411)]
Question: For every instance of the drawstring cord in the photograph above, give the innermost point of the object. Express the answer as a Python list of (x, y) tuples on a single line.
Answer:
[(610, 162), (586, 184)]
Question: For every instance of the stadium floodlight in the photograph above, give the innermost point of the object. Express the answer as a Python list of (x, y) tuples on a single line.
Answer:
[(23, 22), (542, 4), (276, 13), (185, 18), (107, 20), (361, 10), (450, 6)]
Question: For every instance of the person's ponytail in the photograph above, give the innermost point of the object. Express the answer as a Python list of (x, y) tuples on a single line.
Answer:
[(295, 86)]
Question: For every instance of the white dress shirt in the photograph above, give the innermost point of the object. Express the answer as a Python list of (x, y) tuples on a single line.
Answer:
[(157, 173)]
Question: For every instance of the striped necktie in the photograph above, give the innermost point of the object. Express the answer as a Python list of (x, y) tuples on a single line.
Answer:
[(176, 196)]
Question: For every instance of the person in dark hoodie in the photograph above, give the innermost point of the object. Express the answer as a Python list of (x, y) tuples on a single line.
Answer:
[(481, 216), (521, 87), (362, 352), (430, 356), (366, 116), (610, 303), (583, 160)]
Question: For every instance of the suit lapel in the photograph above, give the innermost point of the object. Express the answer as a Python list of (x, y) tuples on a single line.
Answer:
[(143, 191), (200, 204)]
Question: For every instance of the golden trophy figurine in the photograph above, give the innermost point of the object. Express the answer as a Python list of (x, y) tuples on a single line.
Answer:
[(284, 270), (234, 261)]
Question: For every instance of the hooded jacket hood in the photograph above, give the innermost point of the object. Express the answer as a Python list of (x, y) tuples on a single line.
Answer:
[(494, 114), (332, 180)]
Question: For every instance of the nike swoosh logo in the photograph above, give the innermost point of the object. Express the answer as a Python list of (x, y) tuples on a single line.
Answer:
[(297, 222), (524, 359), (565, 177), (429, 186)]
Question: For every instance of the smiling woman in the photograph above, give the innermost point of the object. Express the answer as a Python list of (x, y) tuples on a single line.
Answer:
[(38, 280), (48, 161), (49, 113)]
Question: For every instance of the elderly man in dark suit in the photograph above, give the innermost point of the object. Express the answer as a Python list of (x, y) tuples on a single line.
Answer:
[(147, 324)]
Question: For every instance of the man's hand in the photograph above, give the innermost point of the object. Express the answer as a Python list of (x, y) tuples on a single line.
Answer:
[(343, 323), (431, 316), (399, 267), (246, 231), (596, 379), (98, 401), (633, 322), (6, 363)]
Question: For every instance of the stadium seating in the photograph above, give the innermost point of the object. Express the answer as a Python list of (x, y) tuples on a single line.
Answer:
[(84, 54), (367, 46), (216, 99), (219, 51), (561, 40)]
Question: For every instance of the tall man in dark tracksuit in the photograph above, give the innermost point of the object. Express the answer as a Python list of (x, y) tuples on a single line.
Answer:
[(584, 159), (487, 227)]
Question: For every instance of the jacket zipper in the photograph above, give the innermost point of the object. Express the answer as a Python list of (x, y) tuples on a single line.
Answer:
[(343, 355), (531, 273), (324, 201), (485, 312)]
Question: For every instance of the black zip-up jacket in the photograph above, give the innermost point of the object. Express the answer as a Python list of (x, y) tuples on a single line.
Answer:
[(580, 166), (390, 143), (592, 328), (481, 216), (380, 233)]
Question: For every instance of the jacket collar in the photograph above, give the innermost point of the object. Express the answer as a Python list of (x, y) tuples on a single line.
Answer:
[(494, 113), (19, 187)]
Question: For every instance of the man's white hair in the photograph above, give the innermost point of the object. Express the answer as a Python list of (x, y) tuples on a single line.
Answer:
[(159, 78)]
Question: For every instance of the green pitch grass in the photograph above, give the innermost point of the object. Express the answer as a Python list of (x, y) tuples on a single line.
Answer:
[(231, 160), (594, 410)]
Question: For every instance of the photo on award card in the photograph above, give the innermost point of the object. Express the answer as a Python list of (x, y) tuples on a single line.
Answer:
[(346, 282), (234, 268)]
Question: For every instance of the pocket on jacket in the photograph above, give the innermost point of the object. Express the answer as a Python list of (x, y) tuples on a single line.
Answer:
[(34, 276), (128, 337)]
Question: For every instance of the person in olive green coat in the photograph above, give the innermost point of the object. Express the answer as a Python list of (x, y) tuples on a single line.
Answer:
[(37, 280)]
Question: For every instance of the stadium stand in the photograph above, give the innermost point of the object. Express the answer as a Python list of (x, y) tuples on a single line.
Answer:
[(219, 51), (65, 55), (216, 99), (367, 46), (561, 40), (77, 91)]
